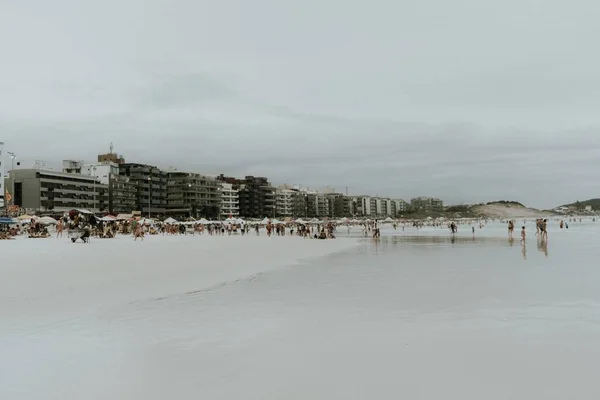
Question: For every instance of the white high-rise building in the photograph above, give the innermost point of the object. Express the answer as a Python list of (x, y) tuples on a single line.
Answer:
[(284, 202), (230, 197), (102, 171)]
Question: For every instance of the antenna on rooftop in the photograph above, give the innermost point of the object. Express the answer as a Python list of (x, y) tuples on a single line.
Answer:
[(111, 147)]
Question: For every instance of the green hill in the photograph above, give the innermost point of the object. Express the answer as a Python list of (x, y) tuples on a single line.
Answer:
[(595, 203), (506, 203)]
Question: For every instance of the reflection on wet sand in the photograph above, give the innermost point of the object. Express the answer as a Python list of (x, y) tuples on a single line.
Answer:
[(437, 240), (542, 245)]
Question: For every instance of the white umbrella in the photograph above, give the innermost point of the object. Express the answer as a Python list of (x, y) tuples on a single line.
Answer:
[(170, 220), (47, 221)]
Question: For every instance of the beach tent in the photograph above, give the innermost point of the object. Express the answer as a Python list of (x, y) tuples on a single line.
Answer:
[(230, 220), (315, 221), (342, 220), (47, 221), (275, 221), (170, 221), (124, 216), (388, 219), (265, 221), (203, 221), (300, 221), (107, 218), (26, 217)]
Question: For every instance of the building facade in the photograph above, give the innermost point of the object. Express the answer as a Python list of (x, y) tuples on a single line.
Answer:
[(122, 191), (122, 195), (230, 200), (257, 197), (284, 207), (151, 185), (193, 195), (426, 204), (45, 191)]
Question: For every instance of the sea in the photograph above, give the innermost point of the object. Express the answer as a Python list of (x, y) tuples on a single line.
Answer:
[(416, 314)]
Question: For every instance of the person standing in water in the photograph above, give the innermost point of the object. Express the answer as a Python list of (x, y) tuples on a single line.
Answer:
[(523, 235), (511, 229)]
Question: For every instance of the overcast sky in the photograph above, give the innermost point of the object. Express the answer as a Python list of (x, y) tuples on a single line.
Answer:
[(467, 100)]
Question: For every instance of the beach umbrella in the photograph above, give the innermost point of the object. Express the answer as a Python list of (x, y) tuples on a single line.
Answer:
[(26, 217), (47, 221), (170, 220), (6, 220)]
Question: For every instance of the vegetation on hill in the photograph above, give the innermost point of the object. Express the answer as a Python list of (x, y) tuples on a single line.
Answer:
[(580, 205), (506, 203)]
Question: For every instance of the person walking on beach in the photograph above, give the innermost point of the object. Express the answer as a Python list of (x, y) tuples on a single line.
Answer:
[(544, 230), (523, 235), (453, 228), (138, 232), (59, 228), (511, 229)]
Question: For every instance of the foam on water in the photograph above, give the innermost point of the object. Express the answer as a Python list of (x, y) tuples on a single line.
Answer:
[(417, 315)]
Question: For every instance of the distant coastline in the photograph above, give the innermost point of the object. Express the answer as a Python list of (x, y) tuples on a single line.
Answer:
[(493, 210)]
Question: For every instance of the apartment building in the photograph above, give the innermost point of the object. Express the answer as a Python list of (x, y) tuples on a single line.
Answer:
[(257, 197), (299, 204), (122, 195), (192, 195), (151, 184), (230, 200), (46, 191), (426, 204), (336, 205), (284, 202), (399, 206)]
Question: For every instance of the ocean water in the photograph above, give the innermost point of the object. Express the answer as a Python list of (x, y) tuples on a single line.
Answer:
[(416, 315)]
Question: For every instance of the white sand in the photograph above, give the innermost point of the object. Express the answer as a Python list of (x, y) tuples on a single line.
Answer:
[(504, 211), (46, 279)]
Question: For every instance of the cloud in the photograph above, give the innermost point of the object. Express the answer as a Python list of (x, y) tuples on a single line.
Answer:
[(186, 91), (456, 100)]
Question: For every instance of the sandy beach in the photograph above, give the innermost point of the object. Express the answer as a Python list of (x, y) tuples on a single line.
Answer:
[(419, 314), (50, 277)]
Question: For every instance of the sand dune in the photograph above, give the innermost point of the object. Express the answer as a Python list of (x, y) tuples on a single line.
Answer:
[(500, 211)]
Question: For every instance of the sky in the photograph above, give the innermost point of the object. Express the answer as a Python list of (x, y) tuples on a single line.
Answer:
[(466, 100)]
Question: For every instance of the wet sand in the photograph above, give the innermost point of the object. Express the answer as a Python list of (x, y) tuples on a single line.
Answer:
[(413, 316)]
